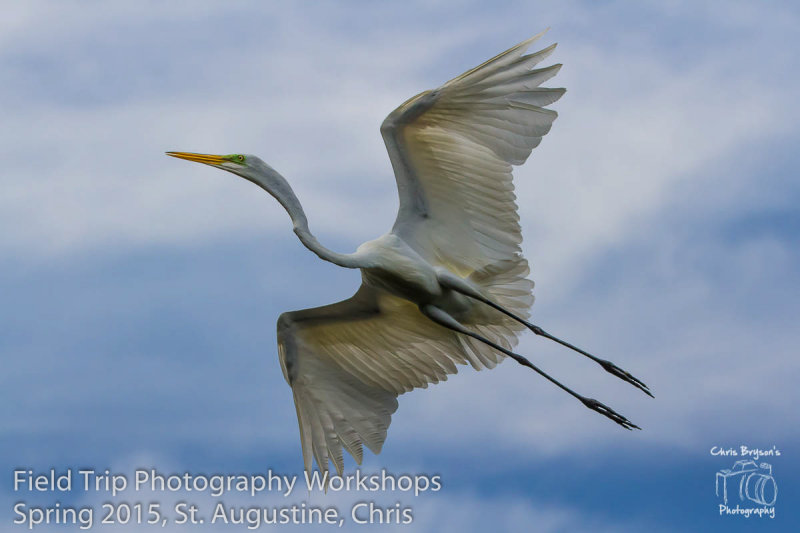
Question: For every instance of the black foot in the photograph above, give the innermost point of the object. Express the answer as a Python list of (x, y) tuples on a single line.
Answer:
[(609, 367), (613, 369), (606, 411)]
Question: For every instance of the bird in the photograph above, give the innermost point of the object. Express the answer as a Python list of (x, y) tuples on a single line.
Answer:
[(447, 285)]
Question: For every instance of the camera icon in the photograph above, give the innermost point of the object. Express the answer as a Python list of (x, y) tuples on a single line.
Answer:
[(755, 482)]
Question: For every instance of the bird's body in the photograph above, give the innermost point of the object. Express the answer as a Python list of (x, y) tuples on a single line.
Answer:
[(390, 264), (447, 285)]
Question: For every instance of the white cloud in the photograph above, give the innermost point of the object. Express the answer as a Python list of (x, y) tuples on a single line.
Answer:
[(632, 128), (94, 174)]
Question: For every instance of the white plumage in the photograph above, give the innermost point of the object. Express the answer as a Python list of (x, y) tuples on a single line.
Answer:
[(447, 285), (452, 150)]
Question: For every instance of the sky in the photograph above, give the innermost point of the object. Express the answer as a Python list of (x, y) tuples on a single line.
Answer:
[(140, 293)]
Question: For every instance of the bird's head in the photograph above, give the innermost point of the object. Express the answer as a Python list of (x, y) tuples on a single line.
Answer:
[(253, 169), (244, 165), (248, 166)]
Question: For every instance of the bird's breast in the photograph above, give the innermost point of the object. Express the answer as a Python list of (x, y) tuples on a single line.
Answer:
[(401, 271)]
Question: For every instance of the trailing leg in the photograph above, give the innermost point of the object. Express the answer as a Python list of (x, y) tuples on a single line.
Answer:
[(444, 319), (457, 284)]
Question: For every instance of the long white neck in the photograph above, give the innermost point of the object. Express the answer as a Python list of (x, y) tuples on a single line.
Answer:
[(271, 181)]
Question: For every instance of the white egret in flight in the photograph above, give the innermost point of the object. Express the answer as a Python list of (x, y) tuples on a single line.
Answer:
[(447, 285)]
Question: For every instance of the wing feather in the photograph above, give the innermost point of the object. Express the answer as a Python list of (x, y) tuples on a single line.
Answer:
[(452, 150), (347, 363)]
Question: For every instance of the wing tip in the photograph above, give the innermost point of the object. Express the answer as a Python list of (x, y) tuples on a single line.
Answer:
[(524, 45), (539, 35)]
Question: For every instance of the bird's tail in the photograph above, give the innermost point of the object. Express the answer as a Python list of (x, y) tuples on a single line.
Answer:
[(505, 283)]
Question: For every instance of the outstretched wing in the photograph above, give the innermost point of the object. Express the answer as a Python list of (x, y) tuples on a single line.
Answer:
[(452, 150), (347, 363)]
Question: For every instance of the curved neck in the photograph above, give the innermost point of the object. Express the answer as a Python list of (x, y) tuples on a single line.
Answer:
[(271, 181), (311, 242)]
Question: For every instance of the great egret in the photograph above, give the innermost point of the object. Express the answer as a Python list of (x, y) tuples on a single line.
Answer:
[(447, 285)]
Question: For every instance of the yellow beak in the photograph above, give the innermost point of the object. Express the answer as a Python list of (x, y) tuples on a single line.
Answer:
[(208, 159)]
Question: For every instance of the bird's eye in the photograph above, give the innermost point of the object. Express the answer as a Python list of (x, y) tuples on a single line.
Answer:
[(241, 158)]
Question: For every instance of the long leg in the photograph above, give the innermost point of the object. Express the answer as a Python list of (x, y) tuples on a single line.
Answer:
[(443, 318), (457, 284)]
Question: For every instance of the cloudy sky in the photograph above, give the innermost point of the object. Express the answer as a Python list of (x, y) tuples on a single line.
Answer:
[(140, 293)]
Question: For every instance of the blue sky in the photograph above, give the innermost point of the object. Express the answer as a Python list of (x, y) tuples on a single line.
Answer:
[(660, 218)]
